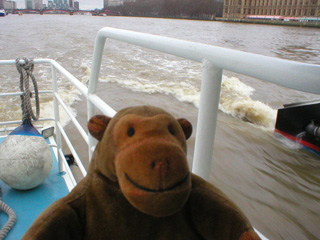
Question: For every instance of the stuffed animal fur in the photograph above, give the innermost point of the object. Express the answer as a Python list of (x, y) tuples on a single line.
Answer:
[(139, 186)]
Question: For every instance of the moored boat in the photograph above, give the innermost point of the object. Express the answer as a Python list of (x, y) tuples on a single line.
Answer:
[(2, 13), (300, 122)]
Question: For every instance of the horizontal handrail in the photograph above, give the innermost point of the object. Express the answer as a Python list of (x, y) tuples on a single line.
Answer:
[(291, 74), (21, 93), (19, 121)]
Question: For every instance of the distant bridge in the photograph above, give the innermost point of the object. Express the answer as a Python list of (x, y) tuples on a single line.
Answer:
[(55, 11)]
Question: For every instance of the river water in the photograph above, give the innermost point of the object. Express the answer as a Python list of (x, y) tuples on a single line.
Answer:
[(275, 182)]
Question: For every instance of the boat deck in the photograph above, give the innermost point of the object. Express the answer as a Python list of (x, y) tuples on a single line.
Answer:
[(24, 202)]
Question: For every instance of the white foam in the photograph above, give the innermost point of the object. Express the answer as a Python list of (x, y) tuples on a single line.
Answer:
[(86, 71), (235, 98)]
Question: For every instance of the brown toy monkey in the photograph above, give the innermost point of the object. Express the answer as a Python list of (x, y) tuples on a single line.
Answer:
[(139, 186)]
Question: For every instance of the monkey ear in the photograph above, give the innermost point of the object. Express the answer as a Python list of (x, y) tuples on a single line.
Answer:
[(186, 127), (97, 125)]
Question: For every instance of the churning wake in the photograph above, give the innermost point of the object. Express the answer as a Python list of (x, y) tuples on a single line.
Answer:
[(235, 97)]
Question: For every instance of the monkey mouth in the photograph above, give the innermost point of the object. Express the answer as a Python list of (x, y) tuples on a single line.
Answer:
[(158, 190)]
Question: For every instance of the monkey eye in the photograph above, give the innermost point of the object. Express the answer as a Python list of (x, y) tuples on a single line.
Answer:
[(171, 130), (130, 131)]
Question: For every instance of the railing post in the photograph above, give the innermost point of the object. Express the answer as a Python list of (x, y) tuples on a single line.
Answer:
[(56, 115), (207, 119), (91, 141), (94, 78)]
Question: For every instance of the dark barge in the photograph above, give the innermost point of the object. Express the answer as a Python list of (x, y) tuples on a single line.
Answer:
[(300, 122)]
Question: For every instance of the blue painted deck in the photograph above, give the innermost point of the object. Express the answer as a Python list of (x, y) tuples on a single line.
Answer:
[(29, 204)]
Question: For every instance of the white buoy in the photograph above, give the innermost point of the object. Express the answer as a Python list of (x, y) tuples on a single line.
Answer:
[(25, 158)]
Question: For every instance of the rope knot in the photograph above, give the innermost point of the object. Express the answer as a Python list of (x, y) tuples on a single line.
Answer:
[(26, 71)]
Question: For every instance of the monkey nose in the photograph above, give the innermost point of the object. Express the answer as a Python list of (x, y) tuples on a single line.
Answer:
[(160, 167)]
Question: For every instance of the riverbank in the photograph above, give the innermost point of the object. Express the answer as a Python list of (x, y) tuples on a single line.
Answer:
[(212, 18), (272, 22), (251, 21), (244, 20)]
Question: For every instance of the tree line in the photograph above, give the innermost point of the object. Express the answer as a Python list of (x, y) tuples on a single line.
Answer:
[(198, 9)]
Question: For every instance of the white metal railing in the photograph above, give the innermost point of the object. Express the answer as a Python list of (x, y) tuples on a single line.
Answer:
[(295, 75)]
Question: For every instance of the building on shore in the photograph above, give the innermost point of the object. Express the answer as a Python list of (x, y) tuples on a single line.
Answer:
[(9, 5), (62, 4), (76, 5), (237, 9), (71, 3), (113, 3), (38, 4), (29, 4)]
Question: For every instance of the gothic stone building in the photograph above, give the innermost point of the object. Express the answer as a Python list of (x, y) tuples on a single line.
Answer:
[(236, 9)]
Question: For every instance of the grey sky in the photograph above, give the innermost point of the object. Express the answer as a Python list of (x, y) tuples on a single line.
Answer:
[(84, 4)]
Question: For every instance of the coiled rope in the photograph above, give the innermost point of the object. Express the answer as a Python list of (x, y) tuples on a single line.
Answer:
[(26, 72), (11, 221)]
